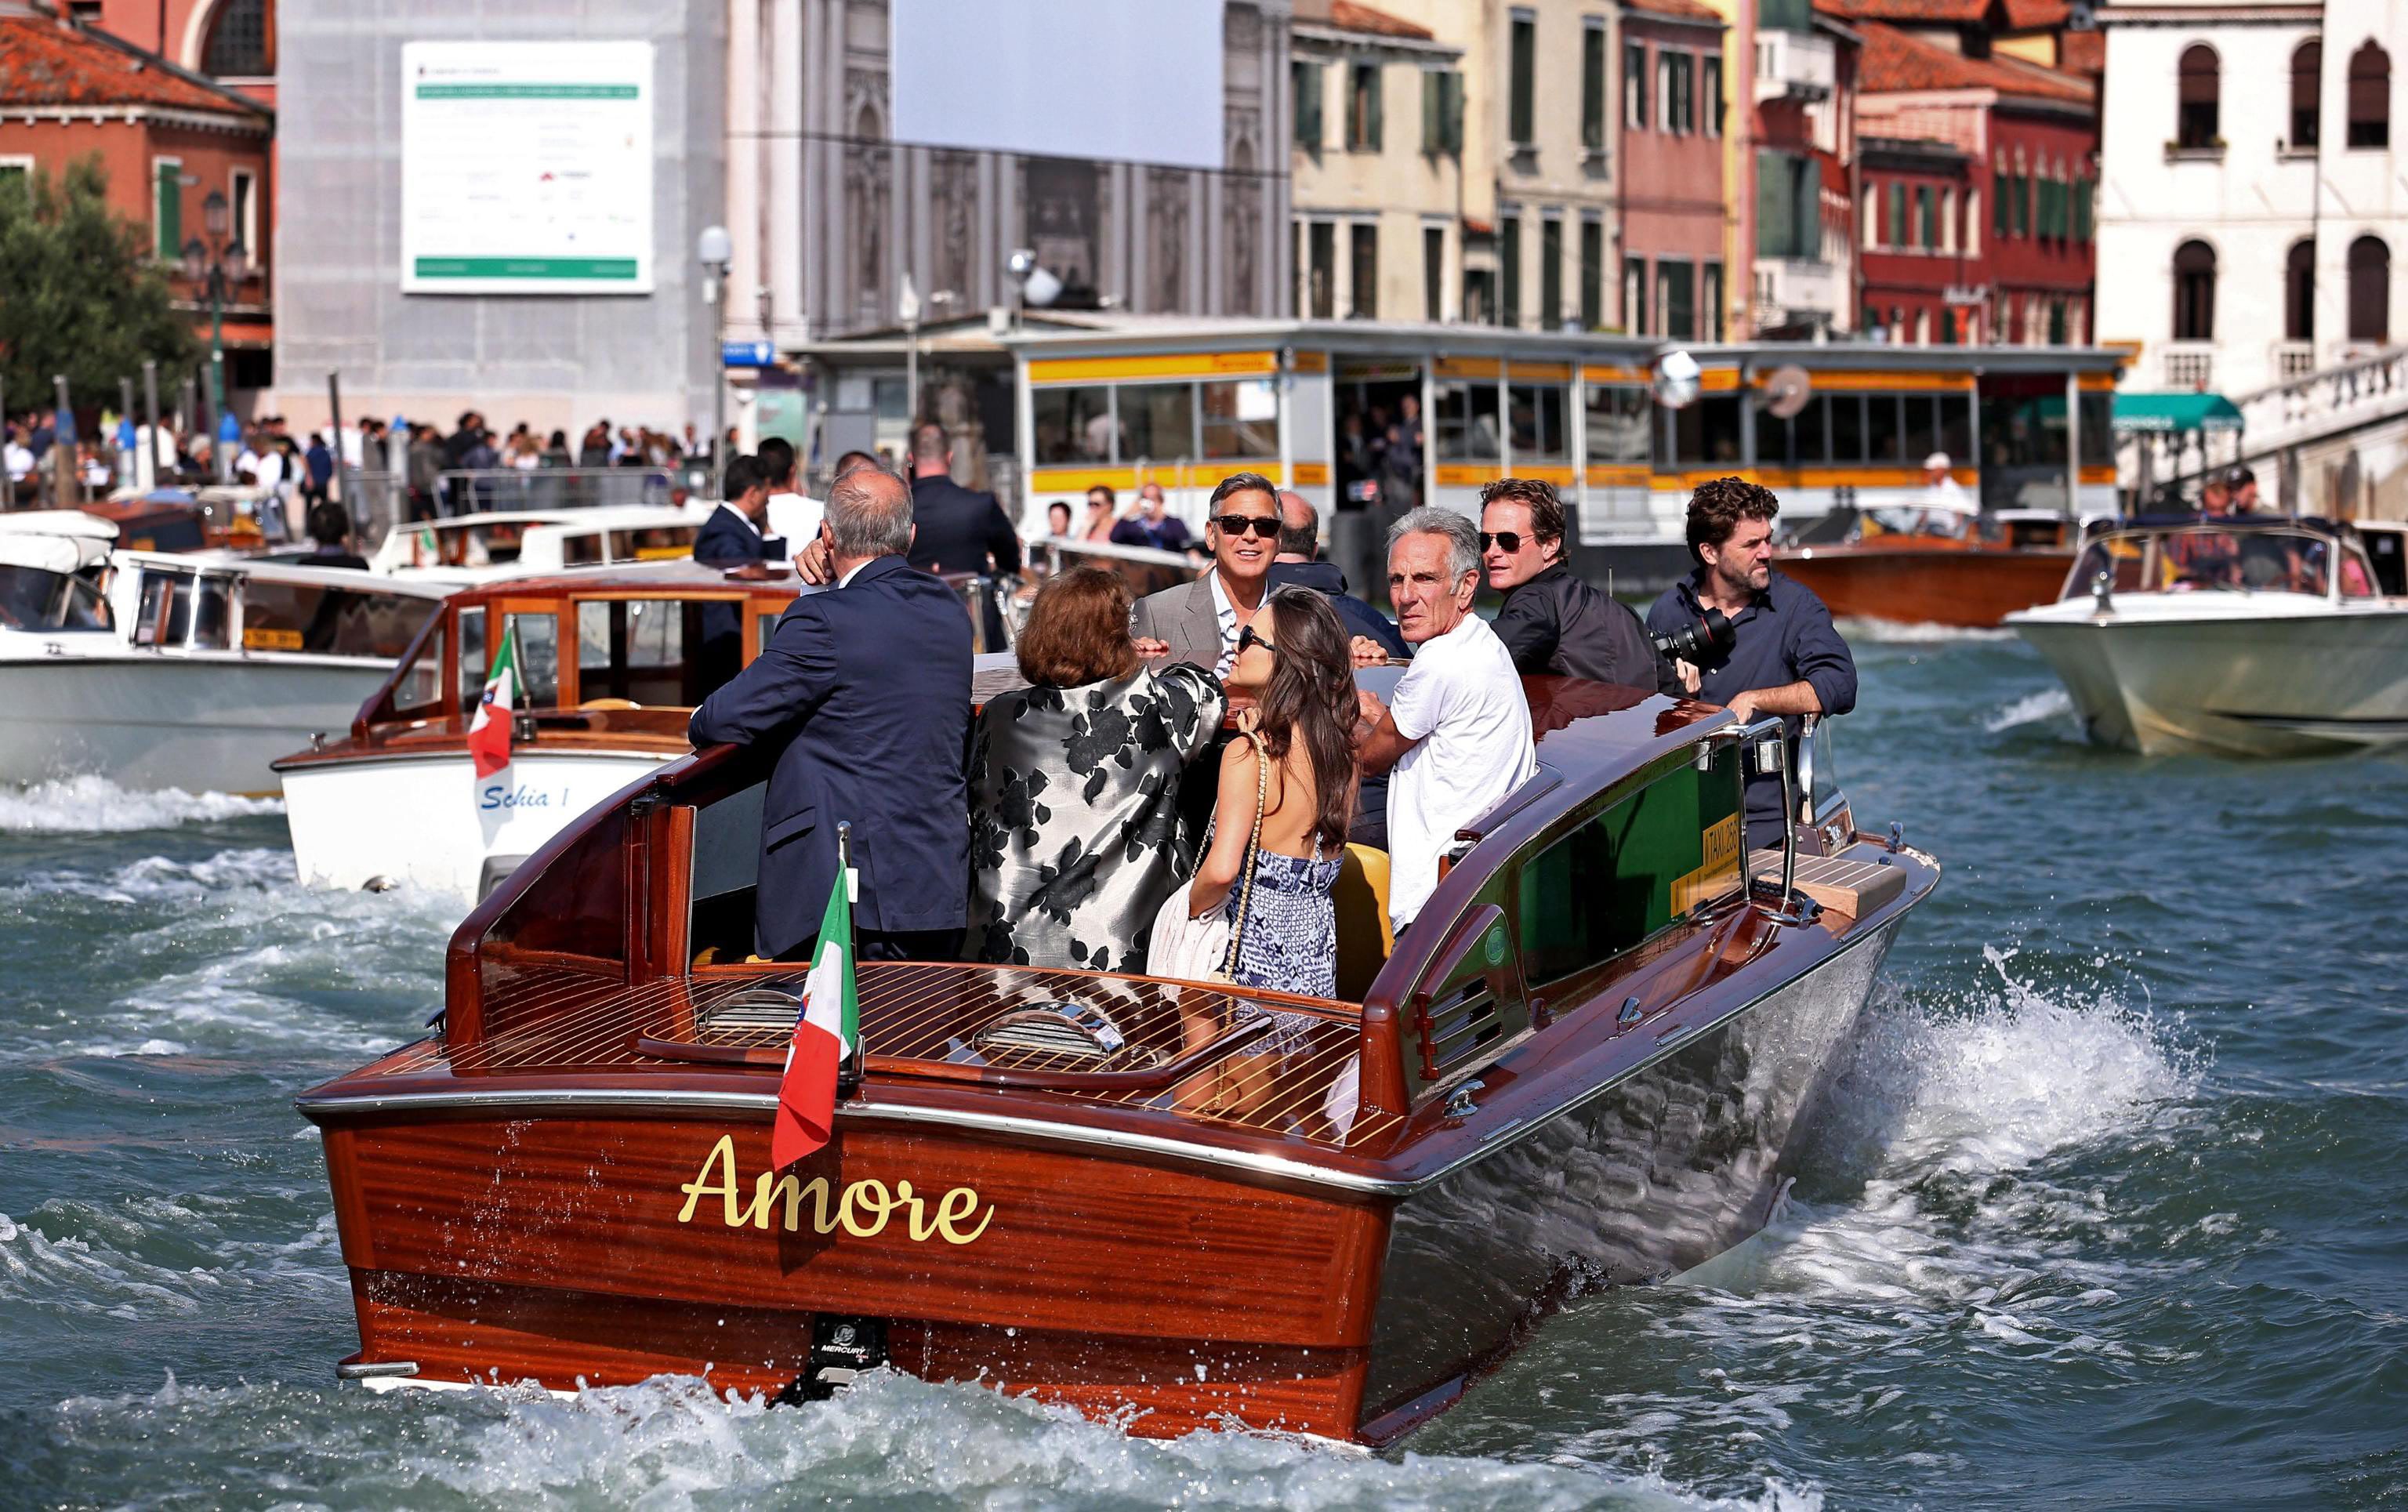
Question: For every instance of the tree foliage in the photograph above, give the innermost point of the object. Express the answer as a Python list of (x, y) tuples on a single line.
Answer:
[(80, 292)]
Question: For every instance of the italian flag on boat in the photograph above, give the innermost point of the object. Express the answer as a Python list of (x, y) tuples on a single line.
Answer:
[(489, 732), (824, 1034)]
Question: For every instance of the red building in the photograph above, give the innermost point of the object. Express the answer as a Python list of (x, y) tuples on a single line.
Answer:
[(1674, 111), (1981, 202), (188, 158)]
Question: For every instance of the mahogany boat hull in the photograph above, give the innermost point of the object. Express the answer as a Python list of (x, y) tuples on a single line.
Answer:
[(505, 1228), (1944, 584)]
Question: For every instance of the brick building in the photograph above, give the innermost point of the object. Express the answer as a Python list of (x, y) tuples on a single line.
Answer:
[(1669, 204), (187, 159)]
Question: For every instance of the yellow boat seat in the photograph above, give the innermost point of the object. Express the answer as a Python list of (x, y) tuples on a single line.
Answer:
[(1364, 937), (610, 703)]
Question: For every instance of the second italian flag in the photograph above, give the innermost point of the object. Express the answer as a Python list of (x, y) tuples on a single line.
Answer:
[(824, 1034)]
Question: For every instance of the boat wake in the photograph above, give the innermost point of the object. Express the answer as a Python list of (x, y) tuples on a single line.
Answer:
[(95, 805), (1889, 632), (2047, 704), (890, 1440)]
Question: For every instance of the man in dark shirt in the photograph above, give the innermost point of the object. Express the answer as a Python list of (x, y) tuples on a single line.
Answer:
[(1299, 561), (1786, 658), (1551, 620), (957, 530)]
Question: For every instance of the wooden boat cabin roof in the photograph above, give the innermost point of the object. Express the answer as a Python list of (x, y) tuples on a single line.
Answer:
[(648, 641), (1600, 917)]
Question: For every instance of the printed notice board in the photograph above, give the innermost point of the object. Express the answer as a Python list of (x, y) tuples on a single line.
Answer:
[(526, 168)]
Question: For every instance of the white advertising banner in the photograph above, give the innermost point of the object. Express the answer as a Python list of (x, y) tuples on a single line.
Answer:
[(1137, 81), (526, 168)]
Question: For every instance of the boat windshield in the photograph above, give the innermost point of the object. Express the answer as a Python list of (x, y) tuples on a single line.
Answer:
[(2214, 558), (32, 598)]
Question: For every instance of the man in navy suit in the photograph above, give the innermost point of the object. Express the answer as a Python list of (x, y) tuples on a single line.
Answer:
[(958, 530), (864, 693), (732, 536)]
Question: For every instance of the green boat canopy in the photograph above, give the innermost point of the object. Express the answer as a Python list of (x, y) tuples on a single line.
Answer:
[(2172, 412)]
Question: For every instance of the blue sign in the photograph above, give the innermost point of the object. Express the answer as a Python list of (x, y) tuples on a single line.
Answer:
[(747, 354)]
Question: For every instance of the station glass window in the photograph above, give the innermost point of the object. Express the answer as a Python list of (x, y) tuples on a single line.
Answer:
[(1073, 425), (1847, 427), (1707, 432), (1157, 422), (1956, 427), (1536, 413), (1637, 867), (1618, 418), (1885, 433), (2097, 431), (1241, 420), (1809, 439), (1922, 425), (1467, 420)]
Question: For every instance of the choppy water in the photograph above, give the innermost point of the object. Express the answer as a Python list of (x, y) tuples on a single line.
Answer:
[(2109, 1207)]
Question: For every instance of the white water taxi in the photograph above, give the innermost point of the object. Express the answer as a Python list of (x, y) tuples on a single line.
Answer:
[(2239, 636), (156, 670), (490, 547)]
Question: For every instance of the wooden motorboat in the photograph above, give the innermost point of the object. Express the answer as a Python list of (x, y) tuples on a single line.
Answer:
[(2004, 561), (399, 801), (497, 545), (2235, 635), (158, 670), (1591, 1059)]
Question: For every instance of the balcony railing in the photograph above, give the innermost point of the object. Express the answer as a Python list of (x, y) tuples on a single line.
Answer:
[(2190, 364), (2293, 359), (1794, 65)]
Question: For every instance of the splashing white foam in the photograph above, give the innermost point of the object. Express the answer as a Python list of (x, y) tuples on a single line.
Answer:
[(1888, 633), (95, 805), (2048, 703)]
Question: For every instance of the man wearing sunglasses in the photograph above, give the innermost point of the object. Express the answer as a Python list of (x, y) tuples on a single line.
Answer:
[(1551, 620), (1198, 622)]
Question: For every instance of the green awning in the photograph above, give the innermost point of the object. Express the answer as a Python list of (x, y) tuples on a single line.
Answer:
[(2169, 412)]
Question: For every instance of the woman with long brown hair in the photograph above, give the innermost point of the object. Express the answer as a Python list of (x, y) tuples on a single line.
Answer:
[(1286, 797)]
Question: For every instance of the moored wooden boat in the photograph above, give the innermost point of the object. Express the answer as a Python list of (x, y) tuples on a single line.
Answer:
[(1591, 1059)]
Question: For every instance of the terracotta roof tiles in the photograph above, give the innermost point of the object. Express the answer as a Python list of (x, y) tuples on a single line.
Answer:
[(1911, 12), (1348, 16), (44, 63), (1897, 62), (1677, 9)]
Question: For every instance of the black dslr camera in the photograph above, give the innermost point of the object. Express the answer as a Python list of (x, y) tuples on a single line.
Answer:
[(1709, 637)]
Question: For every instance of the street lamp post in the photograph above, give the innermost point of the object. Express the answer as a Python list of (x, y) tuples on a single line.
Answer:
[(221, 264), (715, 249)]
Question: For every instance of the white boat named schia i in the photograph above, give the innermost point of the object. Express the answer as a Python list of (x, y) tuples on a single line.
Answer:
[(162, 671), (2236, 635), (400, 801)]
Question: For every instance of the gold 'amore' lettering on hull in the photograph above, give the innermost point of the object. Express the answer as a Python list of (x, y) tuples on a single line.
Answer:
[(862, 1209)]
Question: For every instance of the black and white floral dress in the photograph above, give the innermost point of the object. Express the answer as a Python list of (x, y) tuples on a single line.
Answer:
[(1075, 836)]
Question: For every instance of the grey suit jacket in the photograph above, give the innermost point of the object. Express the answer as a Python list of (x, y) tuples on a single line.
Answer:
[(1183, 619)]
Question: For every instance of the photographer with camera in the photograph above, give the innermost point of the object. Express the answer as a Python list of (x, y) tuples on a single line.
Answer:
[(1778, 652)]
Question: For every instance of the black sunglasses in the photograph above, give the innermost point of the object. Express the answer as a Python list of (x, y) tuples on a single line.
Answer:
[(1510, 539), (1248, 637), (1266, 527)]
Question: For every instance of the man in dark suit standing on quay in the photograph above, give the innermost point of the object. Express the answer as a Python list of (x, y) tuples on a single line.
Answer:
[(959, 530), (862, 692)]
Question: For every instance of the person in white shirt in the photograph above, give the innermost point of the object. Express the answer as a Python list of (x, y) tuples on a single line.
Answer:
[(1457, 731), (18, 458), (1942, 506), (793, 515)]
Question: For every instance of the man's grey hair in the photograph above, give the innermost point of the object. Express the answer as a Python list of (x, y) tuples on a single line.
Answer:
[(1462, 538), (869, 514)]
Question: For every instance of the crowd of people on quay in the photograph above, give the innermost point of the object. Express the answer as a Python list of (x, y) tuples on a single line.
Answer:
[(1102, 820)]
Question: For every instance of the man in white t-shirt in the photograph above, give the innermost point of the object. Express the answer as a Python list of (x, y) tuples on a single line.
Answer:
[(793, 515), (1456, 730)]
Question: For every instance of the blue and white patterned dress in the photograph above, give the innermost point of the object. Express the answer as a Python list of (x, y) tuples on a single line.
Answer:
[(1289, 942)]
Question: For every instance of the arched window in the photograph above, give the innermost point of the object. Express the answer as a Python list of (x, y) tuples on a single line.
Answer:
[(2307, 85), (2299, 293), (2369, 290), (239, 44), (2194, 291), (2370, 97), (2195, 117)]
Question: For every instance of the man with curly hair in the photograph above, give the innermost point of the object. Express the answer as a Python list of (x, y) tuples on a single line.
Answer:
[(1786, 657)]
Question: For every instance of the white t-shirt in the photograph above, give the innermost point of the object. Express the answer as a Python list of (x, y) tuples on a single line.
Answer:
[(1462, 701), (796, 518)]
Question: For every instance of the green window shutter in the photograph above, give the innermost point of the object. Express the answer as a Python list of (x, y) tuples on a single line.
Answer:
[(1433, 115), (1809, 224), (170, 212), (1308, 105), (1451, 95), (1930, 208), (1374, 127), (2082, 210), (1998, 190), (1592, 88), (1524, 81), (1353, 106), (1897, 227), (1773, 204)]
